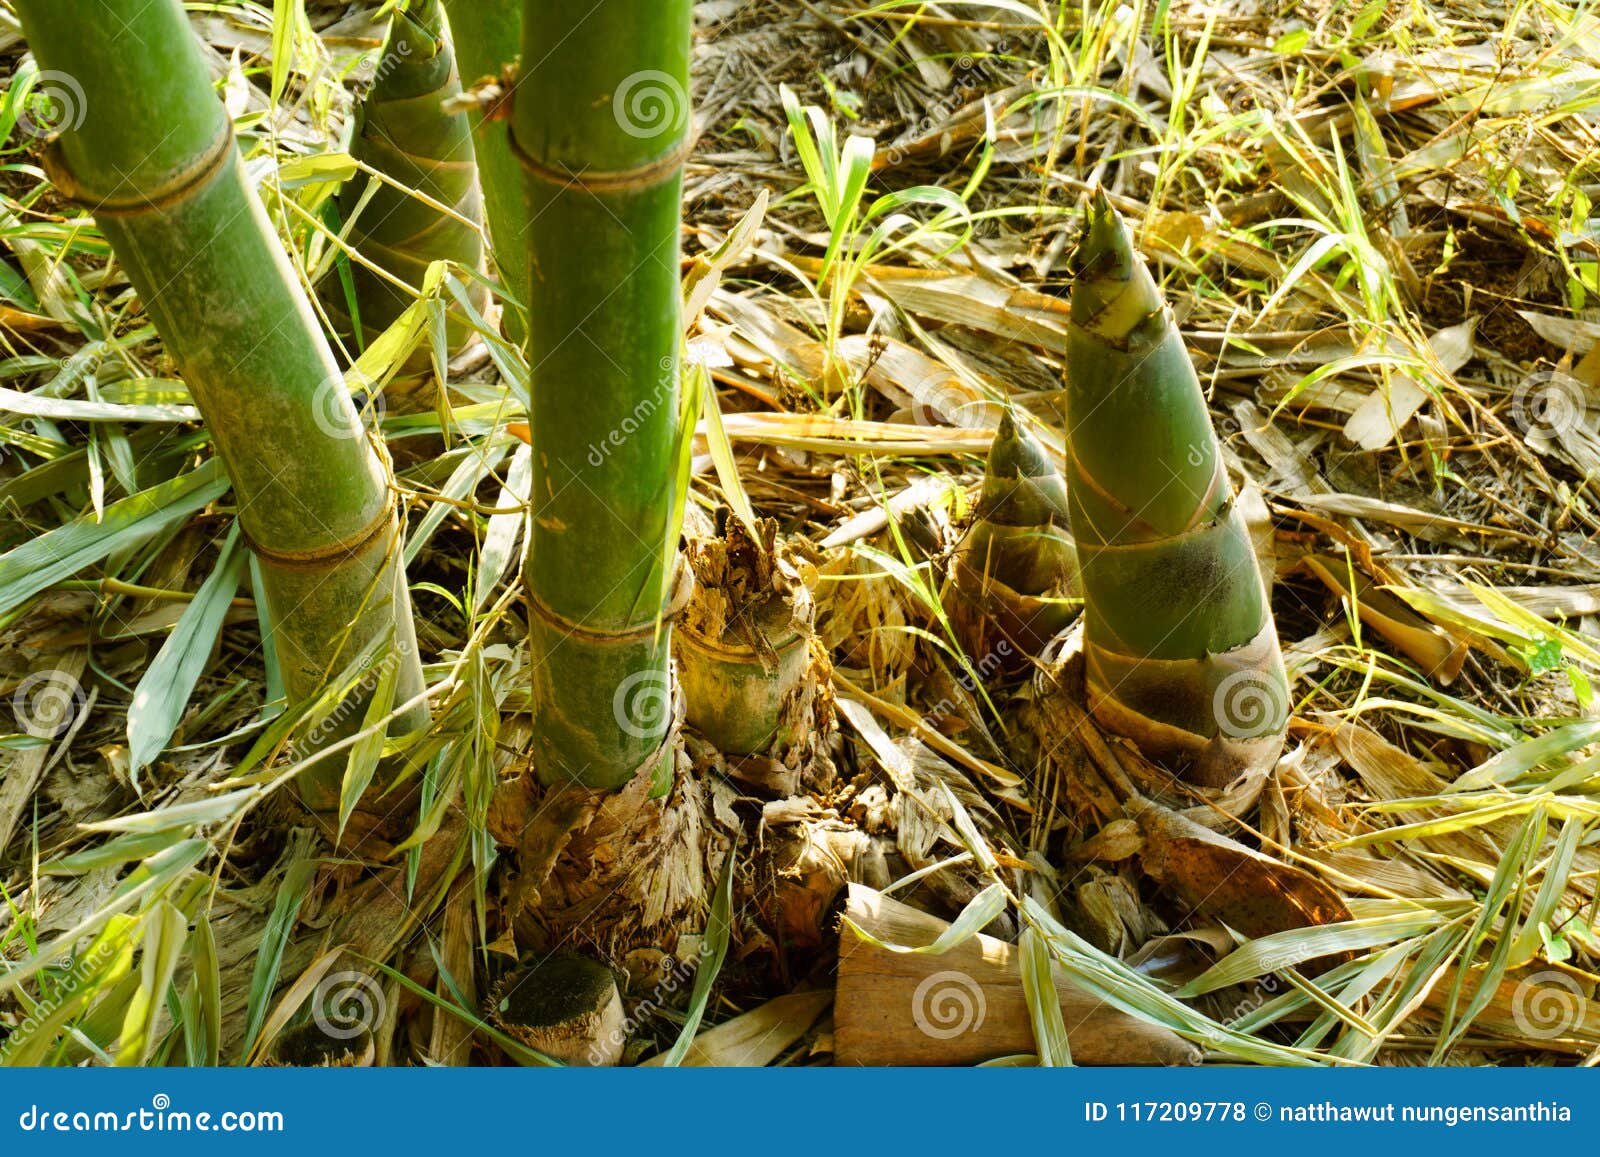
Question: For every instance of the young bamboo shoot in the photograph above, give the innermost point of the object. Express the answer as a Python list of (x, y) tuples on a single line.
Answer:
[(404, 132), (1015, 571), (1180, 651)]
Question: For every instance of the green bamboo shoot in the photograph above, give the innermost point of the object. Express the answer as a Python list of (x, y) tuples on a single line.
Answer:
[(404, 133), (1015, 570), (154, 159), (600, 124), (488, 41), (1180, 650)]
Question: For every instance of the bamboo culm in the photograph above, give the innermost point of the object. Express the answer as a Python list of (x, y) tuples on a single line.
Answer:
[(153, 157), (600, 126), (488, 42)]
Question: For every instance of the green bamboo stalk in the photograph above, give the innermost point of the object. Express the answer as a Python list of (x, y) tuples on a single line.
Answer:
[(488, 41), (600, 124), (404, 133), (1016, 571), (153, 157), (1181, 654)]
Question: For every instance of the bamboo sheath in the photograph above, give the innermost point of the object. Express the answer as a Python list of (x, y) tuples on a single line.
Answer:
[(600, 126), (154, 159), (404, 133), (1180, 650), (488, 40), (1016, 568)]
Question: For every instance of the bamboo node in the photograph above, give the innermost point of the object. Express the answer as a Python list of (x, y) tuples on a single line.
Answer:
[(597, 181), (160, 199), (323, 557), (677, 602)]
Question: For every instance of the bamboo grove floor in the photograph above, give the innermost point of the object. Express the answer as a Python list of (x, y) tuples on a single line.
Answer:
[(1375, 226)]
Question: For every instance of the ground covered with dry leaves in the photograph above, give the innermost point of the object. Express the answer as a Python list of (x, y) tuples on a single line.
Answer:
[(1374, 224)]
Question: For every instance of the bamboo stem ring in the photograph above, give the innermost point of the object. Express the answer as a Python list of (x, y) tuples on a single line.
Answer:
[(179, 188), (324, 557), (677, 603), (644, 176)]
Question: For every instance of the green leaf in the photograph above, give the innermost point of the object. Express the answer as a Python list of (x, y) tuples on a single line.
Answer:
[(1293, 946), (978, 914), (722, 451), (366, 751), (1292, 41), (274, 939), (203, 1034), (504, 530), (41, 562), (713, 951), (163, 692), (1044, 1004), (166, 932)]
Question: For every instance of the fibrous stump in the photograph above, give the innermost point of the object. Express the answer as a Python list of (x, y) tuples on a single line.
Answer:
[(308, 1046), (755, 682), (610, 872), (566, 1007)]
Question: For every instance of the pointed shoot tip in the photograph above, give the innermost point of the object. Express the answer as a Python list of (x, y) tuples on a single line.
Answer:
[(1107, 238)]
